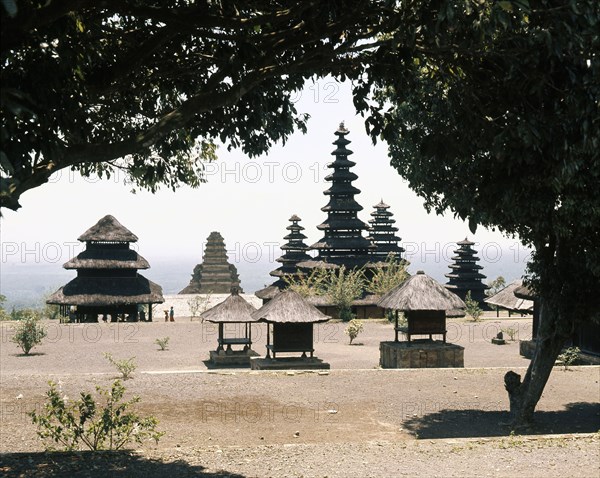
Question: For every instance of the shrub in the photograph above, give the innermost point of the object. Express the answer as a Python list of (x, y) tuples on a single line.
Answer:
[(126, 366), (162, 343), (354, 328), (86, 423), (511, 332), (28, 331), (569, 356), (198, 304), (473, 308)]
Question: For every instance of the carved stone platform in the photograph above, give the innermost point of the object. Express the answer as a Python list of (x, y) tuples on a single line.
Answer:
[(289, 363), (236, 357), (421, 354)]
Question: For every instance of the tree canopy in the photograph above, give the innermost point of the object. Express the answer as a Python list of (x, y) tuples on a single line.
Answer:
[(149, 86), (496, 117)]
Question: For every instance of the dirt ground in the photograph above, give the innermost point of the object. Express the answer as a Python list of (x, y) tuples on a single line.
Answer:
[(355, 420)]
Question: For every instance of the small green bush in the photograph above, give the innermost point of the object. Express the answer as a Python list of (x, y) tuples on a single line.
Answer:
[(354, 328), (162, 343), (86, 423), (473, 308), (126, 366), (28, 331), (569, 357)]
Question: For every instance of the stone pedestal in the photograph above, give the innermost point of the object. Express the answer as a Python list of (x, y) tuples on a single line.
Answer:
[(236, 357), (527, 348), (289, 363), (420, 354)]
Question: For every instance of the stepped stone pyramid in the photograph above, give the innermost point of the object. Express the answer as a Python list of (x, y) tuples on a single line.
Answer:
[(215, 275)]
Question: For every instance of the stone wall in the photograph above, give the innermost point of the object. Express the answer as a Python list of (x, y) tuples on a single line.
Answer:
[(420, 354)]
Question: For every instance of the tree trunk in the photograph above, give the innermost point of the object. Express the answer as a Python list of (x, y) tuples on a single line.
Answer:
[(524, 396)]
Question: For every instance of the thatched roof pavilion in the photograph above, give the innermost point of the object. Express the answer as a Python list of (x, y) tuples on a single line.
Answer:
[(292, 317), (107, 281), (425, 302), (233, 310), (506, 299), (289, 307), (420, 292)]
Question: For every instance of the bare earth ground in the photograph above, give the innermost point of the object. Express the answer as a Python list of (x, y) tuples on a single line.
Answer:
[(355, 420)]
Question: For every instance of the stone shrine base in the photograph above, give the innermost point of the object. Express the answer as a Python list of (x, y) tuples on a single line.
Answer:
[(235, 357), (420, 354), (289, 363)]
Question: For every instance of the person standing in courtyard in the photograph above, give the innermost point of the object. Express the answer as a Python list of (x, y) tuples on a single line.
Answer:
[(172, 314)]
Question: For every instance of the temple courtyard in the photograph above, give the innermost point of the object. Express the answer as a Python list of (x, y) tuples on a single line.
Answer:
[(352, 420)]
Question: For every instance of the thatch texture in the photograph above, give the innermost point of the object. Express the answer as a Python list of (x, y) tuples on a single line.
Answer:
[(325, 301), (420, 292), (506, 298), (108, 229), (107, 259), (317, 265), (108, 291), (233, 309), (289, 307), (267, 292), (524, 292)]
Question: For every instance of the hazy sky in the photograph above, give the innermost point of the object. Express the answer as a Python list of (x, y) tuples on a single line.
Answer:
[(248, 200)]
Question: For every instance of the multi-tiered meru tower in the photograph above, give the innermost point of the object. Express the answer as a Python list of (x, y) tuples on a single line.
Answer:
[(294, 251), (343, 242), (383, 234), (465, 274), (215, 275)]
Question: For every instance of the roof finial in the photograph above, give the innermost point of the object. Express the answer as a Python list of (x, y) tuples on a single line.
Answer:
[(342, 128)]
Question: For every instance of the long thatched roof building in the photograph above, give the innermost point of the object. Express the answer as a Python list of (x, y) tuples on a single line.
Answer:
[(108, 281), (506, 299)]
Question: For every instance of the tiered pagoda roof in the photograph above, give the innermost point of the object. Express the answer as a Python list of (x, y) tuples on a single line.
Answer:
[(465, 274), (215, 275), (383, 233), (294, 252), (342, 242), (107, 273)]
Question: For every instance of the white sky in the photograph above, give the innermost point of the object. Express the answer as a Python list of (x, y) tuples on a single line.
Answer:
[(247, 200)]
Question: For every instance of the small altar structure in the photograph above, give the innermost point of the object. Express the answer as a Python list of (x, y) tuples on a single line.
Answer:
[(234, 310), (290, 320), (424, 302)]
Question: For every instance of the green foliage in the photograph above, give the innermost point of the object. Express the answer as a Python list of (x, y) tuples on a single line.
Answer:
[(472, 309), (340, 285), (86, 423), (386, 278), (3, 314), (495, 286), (313, 283), (162, 343), (511, 332), (29, 332), (569, 356), (150, 90), (343, 286), (354, 328), (125, 367)]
